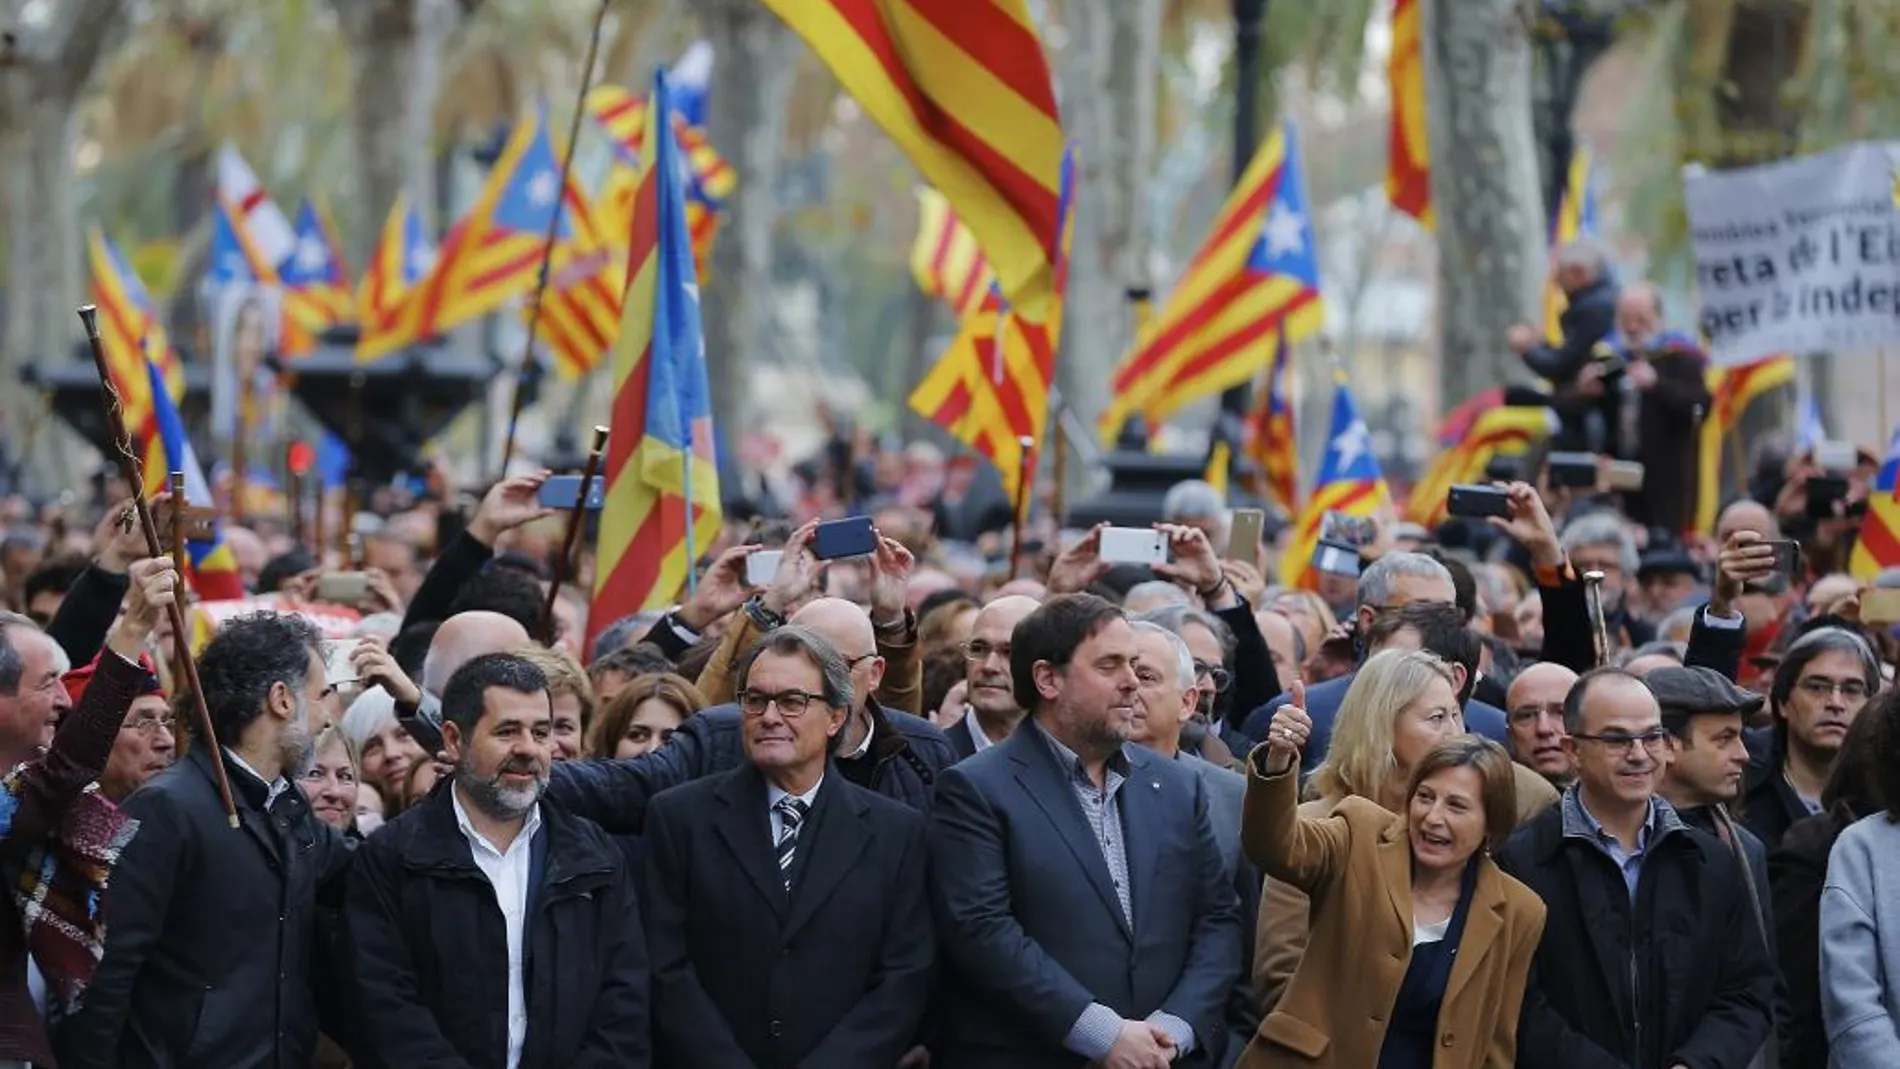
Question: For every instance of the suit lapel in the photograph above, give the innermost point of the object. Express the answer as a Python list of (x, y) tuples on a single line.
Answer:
[(1395, 866), (746, 828), (1041, 776), (1484, 920), (833, 839), (1144, 827)]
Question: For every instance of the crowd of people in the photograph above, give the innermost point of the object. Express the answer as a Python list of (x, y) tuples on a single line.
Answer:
[(929, 807)]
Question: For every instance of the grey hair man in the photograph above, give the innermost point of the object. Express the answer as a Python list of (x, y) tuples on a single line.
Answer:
[(1602, 542), (237, 908), (32, 699)]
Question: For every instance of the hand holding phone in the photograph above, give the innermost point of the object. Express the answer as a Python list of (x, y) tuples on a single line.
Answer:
[(1477, 501), (561, 491), (760, 567), (1134, 545), (850, 537), (342, 588)]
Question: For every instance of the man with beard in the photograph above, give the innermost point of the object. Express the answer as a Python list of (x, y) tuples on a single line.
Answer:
[(1081, 901), (990, 712), (208, 955), (486, 926)]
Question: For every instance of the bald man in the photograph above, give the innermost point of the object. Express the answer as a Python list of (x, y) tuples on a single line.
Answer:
[(1535, 705), (1747, 515), (893, 753), (461, 638), (990, 711)]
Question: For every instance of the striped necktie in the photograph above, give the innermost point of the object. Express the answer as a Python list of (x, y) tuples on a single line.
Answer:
[(791, 814)]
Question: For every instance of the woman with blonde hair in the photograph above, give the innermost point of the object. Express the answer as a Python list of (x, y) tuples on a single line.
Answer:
[(643, 716), (1401, 704), (572, 695), (1438, 982)]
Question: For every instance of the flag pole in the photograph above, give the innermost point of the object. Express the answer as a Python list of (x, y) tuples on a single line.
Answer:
[(547, 246), (1025, 474), (576, 519), (1059, 445), (686, 495), (240, 445), (178, 506), (131, 470)]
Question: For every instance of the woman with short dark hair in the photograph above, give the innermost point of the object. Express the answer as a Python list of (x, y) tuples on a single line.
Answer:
[(1860, 918), (1451, 961)]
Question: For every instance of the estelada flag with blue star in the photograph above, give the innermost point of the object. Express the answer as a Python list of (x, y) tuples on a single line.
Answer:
[(1878, 546), (1349, 482), (1254, 280), (317, 292), (491, 255), (213, 570), (662, 507), (402, 257)]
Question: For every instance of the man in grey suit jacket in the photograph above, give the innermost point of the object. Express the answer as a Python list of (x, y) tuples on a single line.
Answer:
[(1165, 698), (1085, 912)]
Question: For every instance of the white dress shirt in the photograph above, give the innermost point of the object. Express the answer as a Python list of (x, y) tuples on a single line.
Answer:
[(774, 795), (978, 740), (273, 789), (507, 872)]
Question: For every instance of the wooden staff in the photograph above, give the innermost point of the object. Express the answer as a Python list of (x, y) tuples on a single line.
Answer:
[(239, 445), (178, 504), (293, 504), (554, 224), (1059, 443), (129, 468), (1025, 475), (576, 519), (316, 532)]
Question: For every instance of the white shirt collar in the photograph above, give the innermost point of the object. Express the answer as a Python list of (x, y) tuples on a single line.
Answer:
[(476, 839), (272, 790), (977, 738), (864, 745), (774, 794)]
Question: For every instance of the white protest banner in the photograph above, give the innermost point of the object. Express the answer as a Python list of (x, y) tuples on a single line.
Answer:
[(335, 621), (1798, 256)]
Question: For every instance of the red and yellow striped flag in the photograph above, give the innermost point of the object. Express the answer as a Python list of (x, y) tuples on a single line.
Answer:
[(990, 389), (1408, 171), (580, 312), (662, 507), (945, 258), (623, 115), (1508, 430), (1576, 219), (130, 330), (963, 88), (1734, 389)]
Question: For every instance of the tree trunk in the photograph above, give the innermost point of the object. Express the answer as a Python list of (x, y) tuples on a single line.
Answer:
[(44, 240), (1107, 71), (1491, 255), (752, 80), (395, 77)]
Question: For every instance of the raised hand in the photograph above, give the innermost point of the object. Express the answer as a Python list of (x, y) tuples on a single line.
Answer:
[(1529, 525), (154, 588), (374, 667), (1746, 558), (797, 572), (1195, 563), (721, 590), (1079, 567), (891, 568), (1290, 729), (510, 503)]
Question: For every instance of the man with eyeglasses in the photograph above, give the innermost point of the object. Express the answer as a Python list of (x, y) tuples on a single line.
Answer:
[(786, 911), (1653, 958), (990, 709), (1823, 682), (147, 741)]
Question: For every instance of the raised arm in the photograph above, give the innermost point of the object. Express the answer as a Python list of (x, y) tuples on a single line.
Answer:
[(1304, 853)]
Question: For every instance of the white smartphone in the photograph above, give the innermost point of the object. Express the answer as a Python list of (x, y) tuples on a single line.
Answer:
[(760, 567), (1134, 545)]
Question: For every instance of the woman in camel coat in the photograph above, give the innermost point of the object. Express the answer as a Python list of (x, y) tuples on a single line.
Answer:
[(1419, 945)]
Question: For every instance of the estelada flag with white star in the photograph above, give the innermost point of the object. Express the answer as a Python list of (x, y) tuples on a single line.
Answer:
[(1255, 280), (1349, 482), (491, 255), (317, 290)]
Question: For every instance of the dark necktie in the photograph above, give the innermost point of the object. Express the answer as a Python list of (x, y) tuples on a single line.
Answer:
[(791, 814)]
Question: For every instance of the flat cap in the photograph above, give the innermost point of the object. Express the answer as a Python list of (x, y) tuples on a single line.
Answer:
[(1668, 560), (1700, 690)]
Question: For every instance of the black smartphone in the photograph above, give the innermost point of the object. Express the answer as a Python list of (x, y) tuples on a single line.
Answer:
[(1573, 469), (850, 537), (560, 492), (1466, 500), (1823, 491), (1787, 557)]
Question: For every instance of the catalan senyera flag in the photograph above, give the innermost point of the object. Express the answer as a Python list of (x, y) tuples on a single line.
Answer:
[(491, 255), (662, 505), (945, 258), (580, 311), (317, 290), (963, 87), (1576, 219), (130, 327), (710, 179), (212, 570), (1502, 430), (1349, 482), (1255, 278), (1878, 546), (402, 257), (1734, 389), (990, 388), (1408, 172), (1270, 438)]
